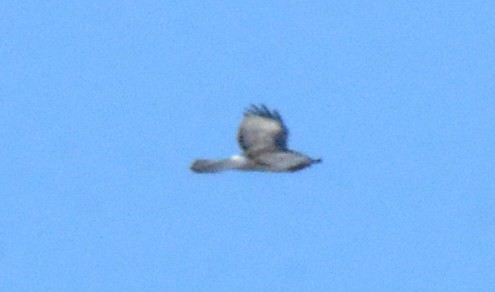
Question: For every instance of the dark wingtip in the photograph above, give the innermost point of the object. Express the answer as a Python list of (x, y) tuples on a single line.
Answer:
[(263, 111), (318, 160), (195, 166), (251, 110)]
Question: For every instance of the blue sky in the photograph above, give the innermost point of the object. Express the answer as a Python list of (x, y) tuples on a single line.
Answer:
[(106, 103)]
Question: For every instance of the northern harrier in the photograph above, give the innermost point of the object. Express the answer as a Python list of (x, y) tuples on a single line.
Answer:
[(263, 138)]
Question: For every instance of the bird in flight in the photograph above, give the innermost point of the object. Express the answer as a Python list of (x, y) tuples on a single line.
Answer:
[(262, 137)]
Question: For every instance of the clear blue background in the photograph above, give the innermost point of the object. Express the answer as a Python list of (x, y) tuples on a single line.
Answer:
[(104, 104)]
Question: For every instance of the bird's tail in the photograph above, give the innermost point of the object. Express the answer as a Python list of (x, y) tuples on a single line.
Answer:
[(317, 160)]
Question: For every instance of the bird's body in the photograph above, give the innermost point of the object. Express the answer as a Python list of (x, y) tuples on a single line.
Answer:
[(263, 138)]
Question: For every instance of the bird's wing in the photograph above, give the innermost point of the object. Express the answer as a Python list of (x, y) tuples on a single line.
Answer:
[(284, 161), (216, 165), (262, 131)]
